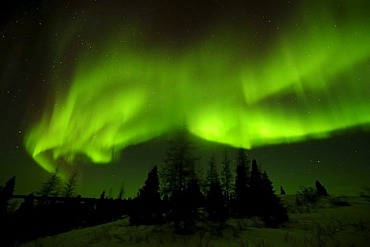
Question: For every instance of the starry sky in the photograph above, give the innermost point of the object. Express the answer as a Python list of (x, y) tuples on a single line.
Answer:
[(100, 86)]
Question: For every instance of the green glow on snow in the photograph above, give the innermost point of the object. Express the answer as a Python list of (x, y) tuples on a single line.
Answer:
[(312, 80)]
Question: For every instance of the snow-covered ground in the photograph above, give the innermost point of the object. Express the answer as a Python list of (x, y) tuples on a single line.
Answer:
[(322, 226)]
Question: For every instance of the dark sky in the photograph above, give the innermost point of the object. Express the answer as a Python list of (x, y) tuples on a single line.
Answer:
[(99, 85)]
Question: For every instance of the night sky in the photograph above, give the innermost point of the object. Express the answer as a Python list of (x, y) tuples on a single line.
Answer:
[(99, 86)]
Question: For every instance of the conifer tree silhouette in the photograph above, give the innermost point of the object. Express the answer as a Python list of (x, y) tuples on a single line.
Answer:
[(226, 179), (320, 189), (150, 199), (179, 163), (256, 197), (6, 193), (282, 191), (241, 184), (121, 192), (102, 195), (212, 174), (215, 200), (70, 187), (51, 186), (273, 211), (179, 179)]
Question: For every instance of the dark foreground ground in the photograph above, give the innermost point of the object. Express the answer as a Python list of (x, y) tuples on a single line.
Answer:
[(316, 226)]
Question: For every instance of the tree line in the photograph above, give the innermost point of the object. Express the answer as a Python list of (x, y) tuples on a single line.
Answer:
[(174, 192), (178, 194), (42, 214)]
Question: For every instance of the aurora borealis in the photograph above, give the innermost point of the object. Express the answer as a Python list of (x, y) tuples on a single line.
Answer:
[(117, 74)]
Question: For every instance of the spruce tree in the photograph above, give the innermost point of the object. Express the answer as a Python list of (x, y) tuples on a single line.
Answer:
[(150, 191), (212, 174), (150, 199), (282, 191), (255, 190), (70, 187), (241, 184), (215, 200), (51, 186), (102, 195), (273, 211), (191, 199), (178, 177), (179, 163), (320, 189), (226, 178), (6, 193), (121, 192)]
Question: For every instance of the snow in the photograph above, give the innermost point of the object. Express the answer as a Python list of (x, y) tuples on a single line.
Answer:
[(323, 226)]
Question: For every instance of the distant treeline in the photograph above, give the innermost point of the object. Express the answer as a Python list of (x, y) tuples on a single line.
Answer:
[(40, 216), (180, 194), (177, 193)]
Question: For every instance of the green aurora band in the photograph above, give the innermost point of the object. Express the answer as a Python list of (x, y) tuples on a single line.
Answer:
[(312, 80)]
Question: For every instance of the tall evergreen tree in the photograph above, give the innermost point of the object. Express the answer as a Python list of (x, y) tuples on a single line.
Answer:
[(226, 178), (255, 175), (273, 211), (212, 174), (6, 193), (241, 183), (102, 195), (150, 190), (255, 190), (282, 191), (320, 189), (190, 200), (121, 192), (150, 198), (179, 163), (51, 186), (215, 199), (179, 178), (70, 187), (195, 195)]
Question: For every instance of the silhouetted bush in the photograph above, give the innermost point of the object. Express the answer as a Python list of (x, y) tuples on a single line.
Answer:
[(307, 195), (365, 193)]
